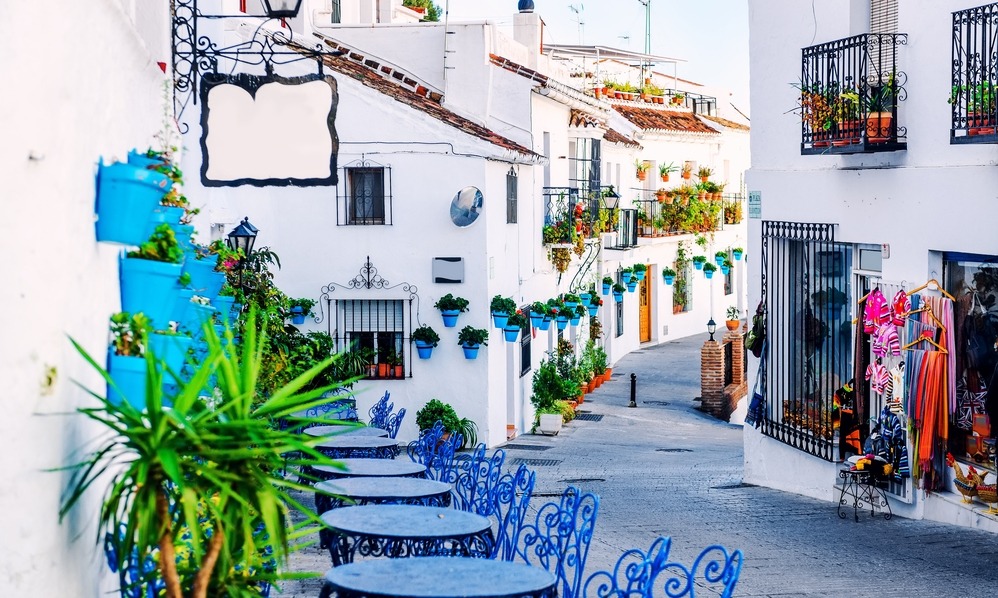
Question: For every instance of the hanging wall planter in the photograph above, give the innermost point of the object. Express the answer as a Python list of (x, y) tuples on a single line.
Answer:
[(511, 334), (181, 305), (499, 319), (632, 286), (149, 287), (170, 349), (561, 322), (593, 310), (224, 305), (205, 281), (142, 160), (183, 232), (545, 324), (126, 197), (607, 284), (129, 376), (536, 319), (618, 296), (737, 253), (625, 275), (297, 315), (424, 349)]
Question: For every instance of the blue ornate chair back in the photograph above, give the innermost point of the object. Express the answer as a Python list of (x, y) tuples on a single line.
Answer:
[(476, 478), (559, 538), (636, 574), (382, 416), (435, 452), (512, 498)]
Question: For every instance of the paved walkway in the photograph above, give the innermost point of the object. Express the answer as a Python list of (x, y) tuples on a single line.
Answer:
[(664, 468)]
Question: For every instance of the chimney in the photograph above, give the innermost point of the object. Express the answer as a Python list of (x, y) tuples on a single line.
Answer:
[(528, 29)]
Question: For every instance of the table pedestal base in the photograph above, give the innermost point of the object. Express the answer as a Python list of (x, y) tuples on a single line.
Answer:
[(862, 488)]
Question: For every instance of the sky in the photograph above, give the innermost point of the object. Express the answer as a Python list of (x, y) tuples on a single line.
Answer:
[(711, 35)]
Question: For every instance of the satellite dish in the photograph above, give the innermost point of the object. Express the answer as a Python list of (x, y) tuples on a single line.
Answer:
[(466, 206)]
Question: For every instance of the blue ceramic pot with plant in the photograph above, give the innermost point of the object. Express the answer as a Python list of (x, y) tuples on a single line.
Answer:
[(545, 324), (470, 351), (511, 334), (170, 349), (536, 319), (737, 253), (606, 288), (593, 310), (149, 287), (499, 319), (669, 279), (297, 315), (126, 197), (632, 285), (168, 214), (423, 349), (618, 296), (585, 298), (129, 377), (224, 305), (143, 160), (205, 281), (725, 270), (626, 275), (183, 232)]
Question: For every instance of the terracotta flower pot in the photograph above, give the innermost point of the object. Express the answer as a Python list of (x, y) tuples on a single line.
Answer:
[(878, 127), (665, 178), (641, 174), (732, 324)]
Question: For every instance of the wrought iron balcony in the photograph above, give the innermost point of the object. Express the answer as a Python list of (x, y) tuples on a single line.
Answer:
[(975, 75), (849, 94), (568, 216)]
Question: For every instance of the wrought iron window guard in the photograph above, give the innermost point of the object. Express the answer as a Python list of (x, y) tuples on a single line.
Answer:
[(196, 54), (699, 103), (972, 98), (356, 207), (849, 94)]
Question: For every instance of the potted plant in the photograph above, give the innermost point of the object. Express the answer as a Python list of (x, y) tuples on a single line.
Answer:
[(845, 113), (704, 173), (538, 311), (668, 275), (687, 171), (709, 269), (737, 252), (720, 256), (626, 273), (550, 387), (639, 271), (450, 307), (664, 170), (600, 363), (733, 316), (196, 494), (559, 312), (126, 362), (425, 338), (726, 266), (607, 283), (883, 99), (516, 322), (594, 304), (571, 300), (641, 169), (127, 194), (471, 339), (437, 411), (149, 277), (618, 292), (699, 261), (300, 309), (394, 361), (501, 308)]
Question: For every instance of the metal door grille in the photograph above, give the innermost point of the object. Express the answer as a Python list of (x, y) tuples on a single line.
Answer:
[(801, 263)]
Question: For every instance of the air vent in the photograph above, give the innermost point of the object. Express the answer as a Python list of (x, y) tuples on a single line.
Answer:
[(526, 447), (582, 480), (673, 450), (589, 417), (733, 486), (659, 403), (534, 462)]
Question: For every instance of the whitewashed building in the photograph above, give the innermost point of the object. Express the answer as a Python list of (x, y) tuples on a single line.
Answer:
[(870, 181)]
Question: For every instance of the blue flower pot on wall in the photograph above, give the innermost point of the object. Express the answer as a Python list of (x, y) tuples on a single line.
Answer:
[(499, 319), (536, 319), (639, 275), (737, 254), (297, 315), (149, 287), (606, 289), (586, 298), (171, 350), (168, 214), (632, 286), (669, 279), (626, 276), (181, 305), (725, 270), (450, 317), (545, 324), (470, 351), (183, 233), (129, 376), (224, 306), (574, 321), (709, 274), (561, 322), (141, 160), (126, 197), (197, 315), (593, 310), (204, 280), (424, 349), (511, 334), (698, 265), (618, 297), (571, 304)]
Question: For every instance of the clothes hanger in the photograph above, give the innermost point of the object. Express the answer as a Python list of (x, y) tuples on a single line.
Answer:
[(932, 315), (939, 288), (927, 337)]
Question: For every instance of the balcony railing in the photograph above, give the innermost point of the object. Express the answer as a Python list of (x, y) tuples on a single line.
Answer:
[(975, 75), (849, 95), (683, 215), (569, 217)]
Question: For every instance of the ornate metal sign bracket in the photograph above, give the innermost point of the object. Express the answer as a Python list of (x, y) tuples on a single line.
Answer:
[(367, 278)]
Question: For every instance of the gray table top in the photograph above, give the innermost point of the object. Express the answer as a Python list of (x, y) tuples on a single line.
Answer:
[(405, 521), (366, 468), (349, 441), (440, 577), (382, 488), (345, 430)]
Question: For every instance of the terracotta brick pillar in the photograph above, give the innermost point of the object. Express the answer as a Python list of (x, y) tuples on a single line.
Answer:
[(712, 379), (737, 340)]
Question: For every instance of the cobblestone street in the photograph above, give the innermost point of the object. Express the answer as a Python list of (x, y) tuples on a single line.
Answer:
[(666, 469)]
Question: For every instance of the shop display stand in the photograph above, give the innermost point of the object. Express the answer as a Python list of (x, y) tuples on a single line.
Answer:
[(862, 488)]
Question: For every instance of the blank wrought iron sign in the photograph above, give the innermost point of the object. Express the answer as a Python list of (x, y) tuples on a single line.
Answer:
[(268, 130)]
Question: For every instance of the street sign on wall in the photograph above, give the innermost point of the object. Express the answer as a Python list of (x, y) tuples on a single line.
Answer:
[(755, 204)]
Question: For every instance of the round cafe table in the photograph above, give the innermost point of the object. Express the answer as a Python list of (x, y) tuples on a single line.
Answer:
[(371, 468), (348, 446), (341, 430), (438, 577), (399, 531)]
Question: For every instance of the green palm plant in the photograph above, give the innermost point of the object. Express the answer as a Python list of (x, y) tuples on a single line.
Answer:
[(209, 473)]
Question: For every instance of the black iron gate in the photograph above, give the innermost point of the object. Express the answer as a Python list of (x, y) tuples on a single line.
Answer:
[(802, 273)]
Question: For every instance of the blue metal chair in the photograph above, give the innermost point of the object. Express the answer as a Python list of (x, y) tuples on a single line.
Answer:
[(436, 453), (511, 499), (559, 538), (636, 574), (382, 416), (476, 478)]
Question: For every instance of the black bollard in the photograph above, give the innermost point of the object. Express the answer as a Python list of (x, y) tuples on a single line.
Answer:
[(634, 391)]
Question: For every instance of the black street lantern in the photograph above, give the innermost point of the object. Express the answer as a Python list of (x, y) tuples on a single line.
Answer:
[(282, 9), (242, 238), (611, 198), (711, 327)]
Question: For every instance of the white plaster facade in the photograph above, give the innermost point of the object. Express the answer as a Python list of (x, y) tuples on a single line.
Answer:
[(932, 198)]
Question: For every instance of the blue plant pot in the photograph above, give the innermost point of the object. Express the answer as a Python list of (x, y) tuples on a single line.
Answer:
[(181, 305), (450, 317), (618, 297), (626, 276), (168, 214), (571, 304), (575, 321), (511, 334), (725, 270), (470, 351), (561, 322), (698, 265), (224, 306), (183, 233), (631, 286), (586, 298), (141, 160), (639, 275), (738, 255), (718, 260), (197, 315), (149, 287), (606, 289), (499, 319), (545, 324), (129, 375), (669, 279), (170, 350), (536, 320), (126, 196), (708, 273), (424, 349), (593, 310), (204, 280)]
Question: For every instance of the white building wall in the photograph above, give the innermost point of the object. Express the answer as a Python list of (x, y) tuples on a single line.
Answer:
[(931, 198), (58, 282)]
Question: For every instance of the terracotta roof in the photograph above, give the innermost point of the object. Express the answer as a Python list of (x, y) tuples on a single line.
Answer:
[(578, 118), (614, 136), (727, 123), (519, 69), (663, 120), (402, 88)]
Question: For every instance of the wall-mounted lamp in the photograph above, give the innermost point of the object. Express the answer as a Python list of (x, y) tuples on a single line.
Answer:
[(711, 327)]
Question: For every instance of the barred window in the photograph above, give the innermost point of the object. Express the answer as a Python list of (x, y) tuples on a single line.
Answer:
[(374, 330), (365, 196), (511, 196)]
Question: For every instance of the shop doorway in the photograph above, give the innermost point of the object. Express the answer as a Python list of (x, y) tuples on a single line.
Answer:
[(644, 309)]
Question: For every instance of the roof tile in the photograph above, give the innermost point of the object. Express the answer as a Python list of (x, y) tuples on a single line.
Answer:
[(663, 120)]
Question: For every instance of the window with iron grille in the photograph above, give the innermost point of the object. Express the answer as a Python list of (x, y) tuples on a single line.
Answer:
[(336, 11), (377, 330), (807, 346), (585, 165), (729, 278), (525, 337), (619, 306), (511, 195), (682, 294), (366, 195)]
